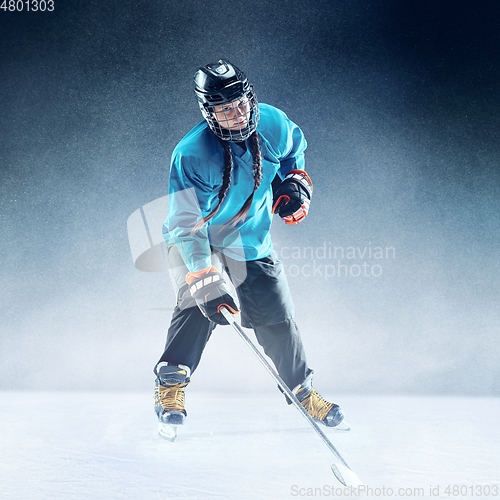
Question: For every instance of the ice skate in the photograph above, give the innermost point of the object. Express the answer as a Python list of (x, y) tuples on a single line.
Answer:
[(169, 398), (323, 412)]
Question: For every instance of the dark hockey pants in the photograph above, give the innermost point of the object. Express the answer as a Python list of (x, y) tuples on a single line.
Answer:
[(266, 306)]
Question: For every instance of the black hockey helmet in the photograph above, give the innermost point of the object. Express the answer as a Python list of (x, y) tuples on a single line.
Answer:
[(223, 85)]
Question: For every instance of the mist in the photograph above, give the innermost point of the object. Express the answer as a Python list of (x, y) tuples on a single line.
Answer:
[(399, 102)]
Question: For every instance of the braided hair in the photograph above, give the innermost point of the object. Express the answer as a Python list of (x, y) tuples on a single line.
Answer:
[(253, 145)]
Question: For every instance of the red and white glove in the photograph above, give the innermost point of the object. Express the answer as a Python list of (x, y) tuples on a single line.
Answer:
[(210, 291), (292, 198)]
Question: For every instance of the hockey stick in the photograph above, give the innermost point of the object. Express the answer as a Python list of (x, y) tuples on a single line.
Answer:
[(341, 470)]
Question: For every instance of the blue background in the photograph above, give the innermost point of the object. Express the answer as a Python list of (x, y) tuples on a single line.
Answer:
[(399, 101)]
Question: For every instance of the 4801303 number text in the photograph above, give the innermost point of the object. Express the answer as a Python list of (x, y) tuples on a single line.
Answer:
[(27, 5)]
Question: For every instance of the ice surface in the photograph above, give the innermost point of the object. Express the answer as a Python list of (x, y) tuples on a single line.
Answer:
[(105, 446)]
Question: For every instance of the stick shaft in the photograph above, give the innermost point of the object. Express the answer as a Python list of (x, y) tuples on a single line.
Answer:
[(282, 384)]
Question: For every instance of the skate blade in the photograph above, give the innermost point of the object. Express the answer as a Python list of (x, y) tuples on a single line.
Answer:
[(343, 427), (167, 431)]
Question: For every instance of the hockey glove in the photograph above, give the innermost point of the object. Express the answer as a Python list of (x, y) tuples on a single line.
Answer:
[(210, 291), (292, 198)]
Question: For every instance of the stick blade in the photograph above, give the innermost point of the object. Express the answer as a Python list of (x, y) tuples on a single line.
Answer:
[(345, 475)]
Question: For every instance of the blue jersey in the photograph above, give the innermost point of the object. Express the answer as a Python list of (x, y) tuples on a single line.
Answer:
[(196, 173)]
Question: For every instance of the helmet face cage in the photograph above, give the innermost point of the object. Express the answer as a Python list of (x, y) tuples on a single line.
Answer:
[(235, 120)]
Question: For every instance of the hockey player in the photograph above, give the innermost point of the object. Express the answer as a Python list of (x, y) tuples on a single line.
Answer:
[(221, 203)]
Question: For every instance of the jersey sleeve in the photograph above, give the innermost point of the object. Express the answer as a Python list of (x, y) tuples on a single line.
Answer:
[(189, 201), (295, 148), (285, 139)]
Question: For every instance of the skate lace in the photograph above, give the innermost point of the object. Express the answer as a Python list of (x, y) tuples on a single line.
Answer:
[(172, 397), (316, 406)]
